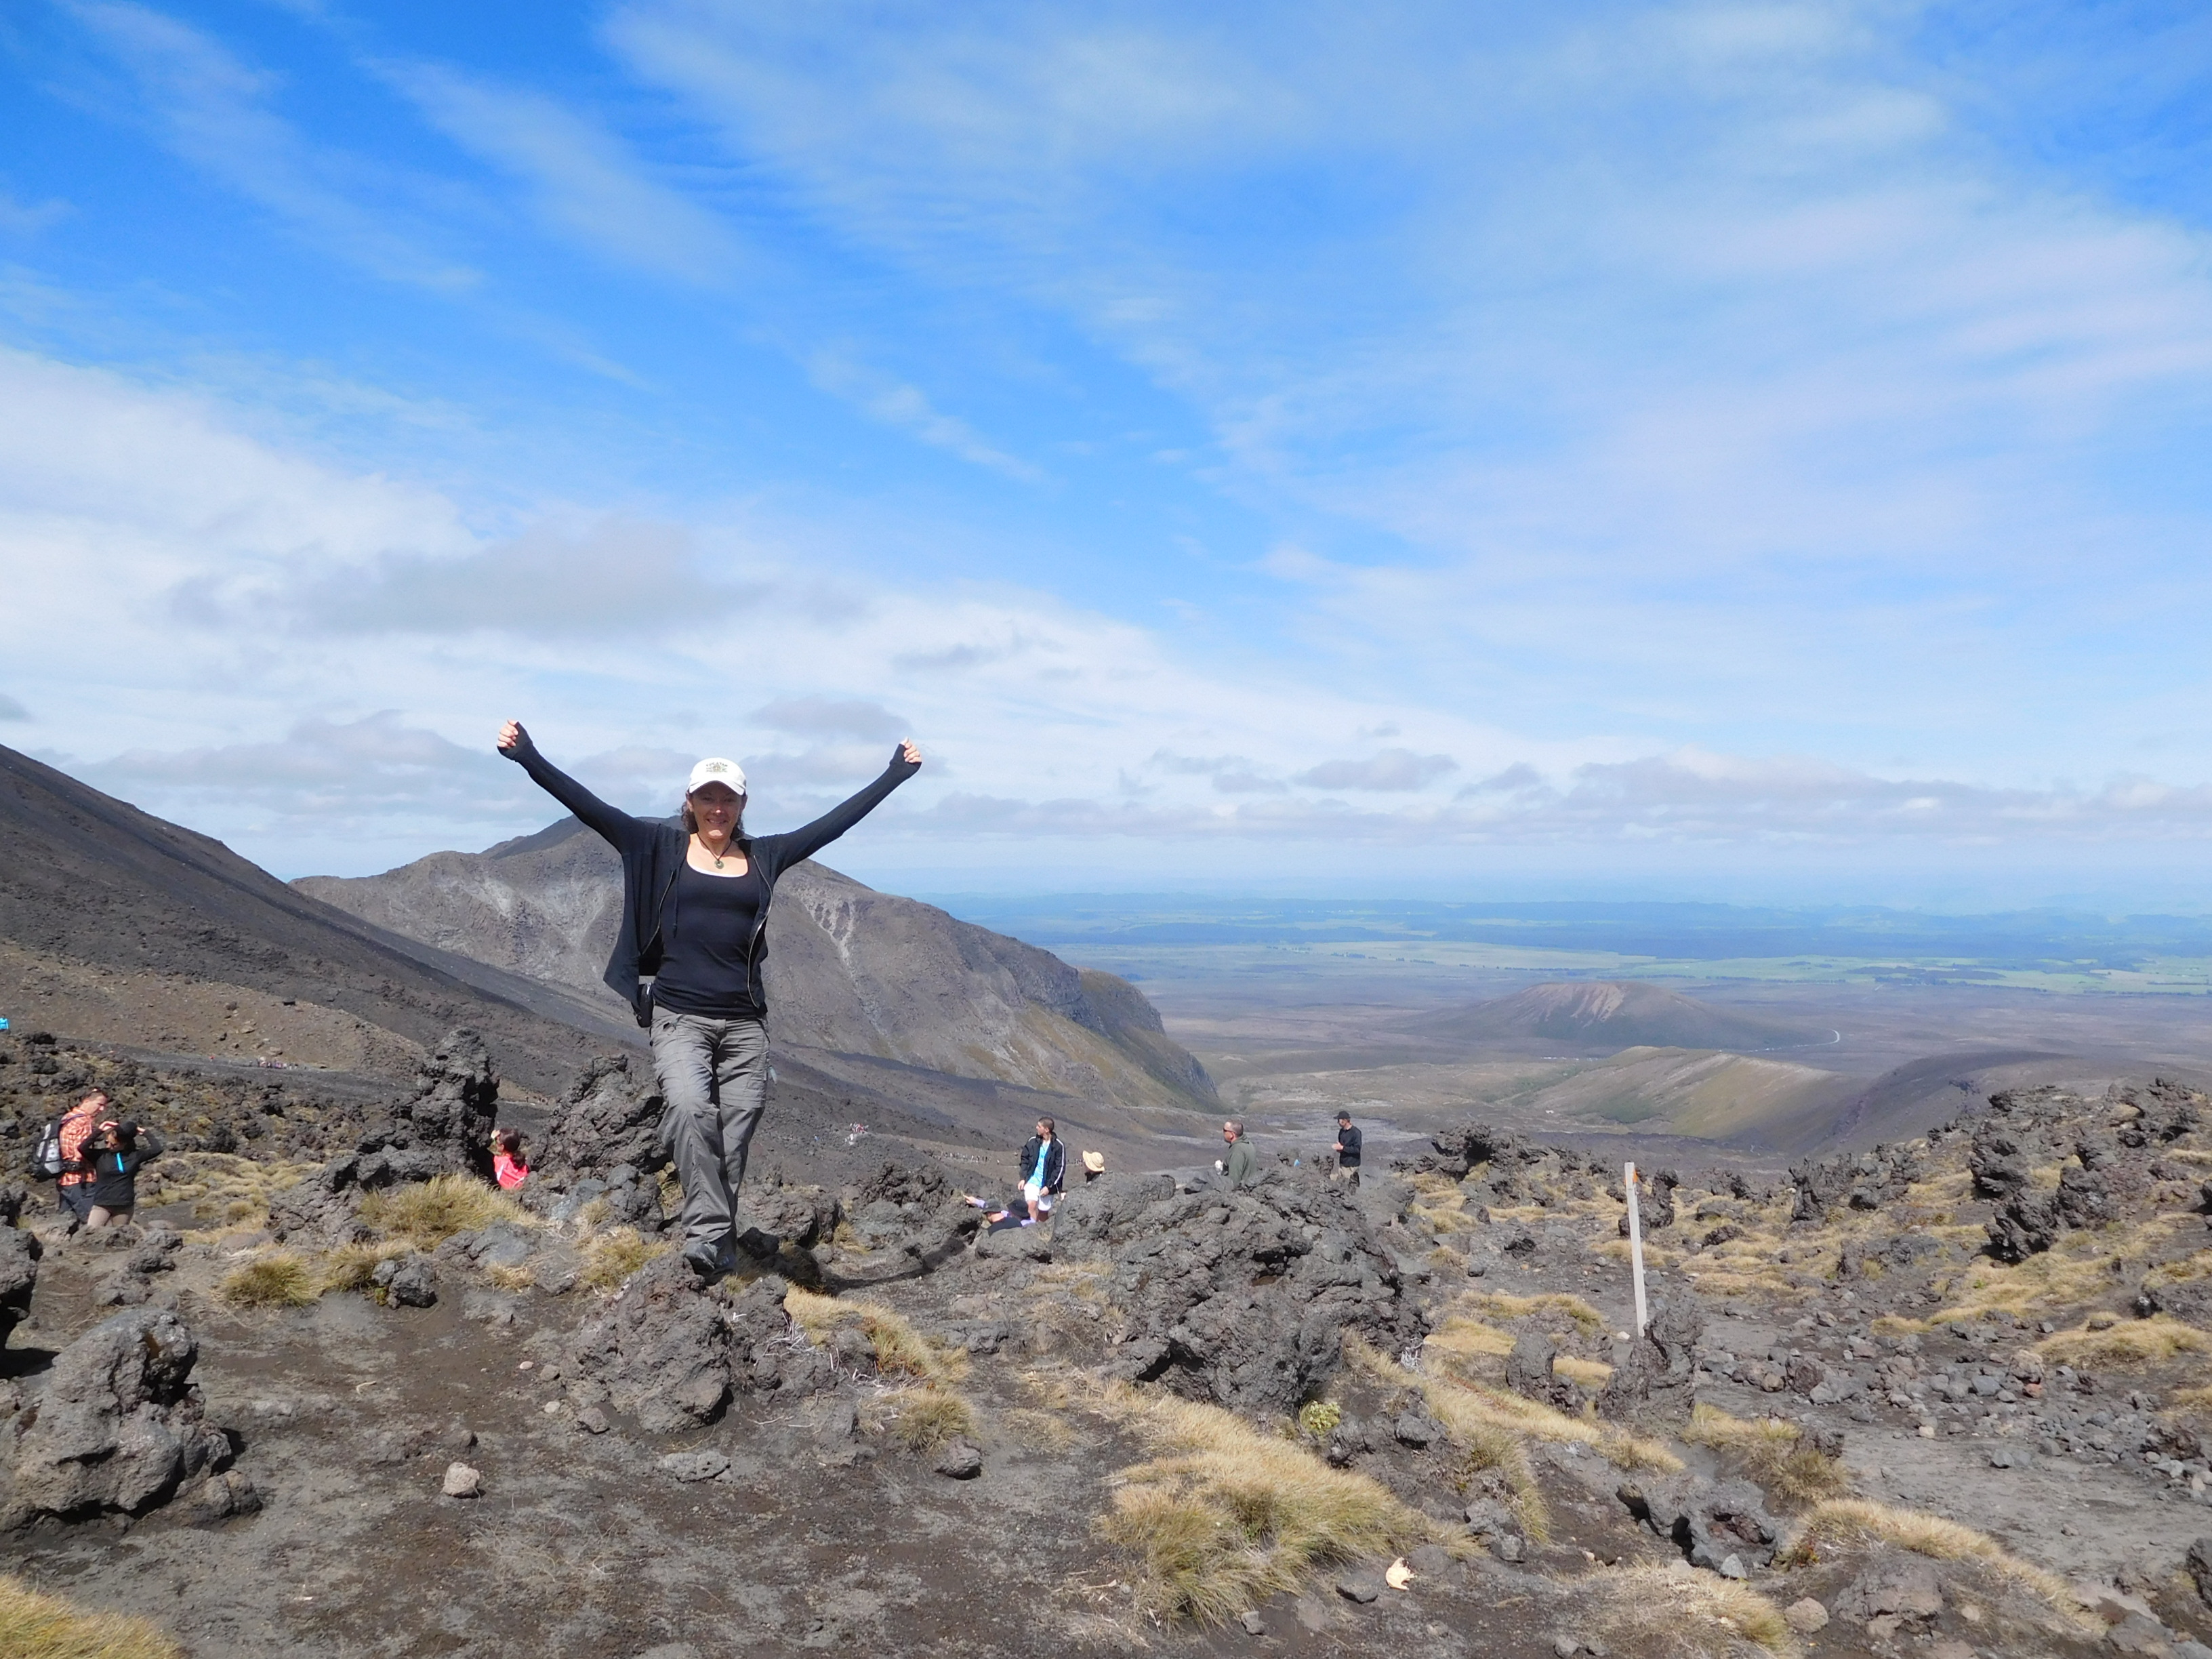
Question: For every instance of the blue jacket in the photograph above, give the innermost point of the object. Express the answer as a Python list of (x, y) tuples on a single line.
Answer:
[(653, 852)]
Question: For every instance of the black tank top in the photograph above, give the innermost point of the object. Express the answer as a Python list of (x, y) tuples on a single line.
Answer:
[(708, 962)]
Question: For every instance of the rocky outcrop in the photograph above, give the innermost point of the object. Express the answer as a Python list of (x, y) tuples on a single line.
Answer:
[(1529, 1372), (1859, 1180), (1655, 1376), (20, 1250), (120, 1426), (444, 1127), (1722, 1525), (671, 1353), (1242, 1297), (604, 1146)]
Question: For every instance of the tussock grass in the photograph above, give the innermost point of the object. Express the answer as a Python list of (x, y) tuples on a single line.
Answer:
[(1503, 1305), (1773, 1453), (1590, 1373), (2126, 1345), (349, 1267), (1655, 1256), (1469, 1339), (901, 1350), (930, 1417), (279, 1279), (226, 1191), (1845, 1519), (612, 1256), (36, 1626), (429, 1212), (1226, 1515), (1669, 1614), (517, 1278)]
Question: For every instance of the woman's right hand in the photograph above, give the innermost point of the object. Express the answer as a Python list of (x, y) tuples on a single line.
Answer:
[(512, 737)]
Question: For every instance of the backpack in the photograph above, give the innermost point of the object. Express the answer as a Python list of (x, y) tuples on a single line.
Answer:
[(47, 1161)]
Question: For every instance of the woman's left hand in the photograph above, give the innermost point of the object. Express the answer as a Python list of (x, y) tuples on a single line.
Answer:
[(909, 751)]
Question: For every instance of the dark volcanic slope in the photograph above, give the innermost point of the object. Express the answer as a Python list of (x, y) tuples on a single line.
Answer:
[(850, 970), (1602, 1016), (90, 885)]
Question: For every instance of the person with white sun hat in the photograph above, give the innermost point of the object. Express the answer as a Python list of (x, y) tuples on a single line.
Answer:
[(688, 958)]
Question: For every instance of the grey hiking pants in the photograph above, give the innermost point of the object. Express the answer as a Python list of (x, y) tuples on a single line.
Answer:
[(713, 1077)]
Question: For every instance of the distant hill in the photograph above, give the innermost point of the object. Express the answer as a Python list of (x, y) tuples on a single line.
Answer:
[(1589, 1017), (116, 926), (850, 970)]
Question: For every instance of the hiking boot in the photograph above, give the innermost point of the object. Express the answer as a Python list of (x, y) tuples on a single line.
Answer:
[(705, 1260)]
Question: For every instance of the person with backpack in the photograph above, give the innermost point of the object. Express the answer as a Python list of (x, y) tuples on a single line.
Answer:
[(696, 893), (60, 1156), (117, 1152)]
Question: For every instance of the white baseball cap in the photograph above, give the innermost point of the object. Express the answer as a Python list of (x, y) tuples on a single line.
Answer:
[(717, 770)]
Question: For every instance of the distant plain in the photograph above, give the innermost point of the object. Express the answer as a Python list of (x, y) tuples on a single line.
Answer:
[(1299, 1007)]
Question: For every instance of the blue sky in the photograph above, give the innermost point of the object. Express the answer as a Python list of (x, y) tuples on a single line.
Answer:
[(1738, 450)]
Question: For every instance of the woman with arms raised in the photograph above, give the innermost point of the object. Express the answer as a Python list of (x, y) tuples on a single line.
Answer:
[(695, 919)]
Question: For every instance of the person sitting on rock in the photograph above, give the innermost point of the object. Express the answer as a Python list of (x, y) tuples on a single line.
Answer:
[(1241, 1166), (118, 1150), (1347, 1149), (73, 1187), (1044, 1169), (695, 898), (508, 1167)]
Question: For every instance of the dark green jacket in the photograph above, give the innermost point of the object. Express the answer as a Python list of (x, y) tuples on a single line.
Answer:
[(1241, 1166)]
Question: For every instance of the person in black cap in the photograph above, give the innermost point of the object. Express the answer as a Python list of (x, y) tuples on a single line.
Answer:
[(1347, 1149)]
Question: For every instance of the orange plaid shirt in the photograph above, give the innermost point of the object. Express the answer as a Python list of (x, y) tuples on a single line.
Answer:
[(76, 1129)]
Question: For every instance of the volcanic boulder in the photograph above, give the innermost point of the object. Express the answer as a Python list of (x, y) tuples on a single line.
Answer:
[(606, 1145), (119, 1427), (1529, 1372), (445, 1126), (19, 1265), (1709, 1522), (1241, 1298), (1656, 1374)]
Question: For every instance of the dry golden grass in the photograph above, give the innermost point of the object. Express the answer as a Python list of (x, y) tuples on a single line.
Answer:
[(1469, 1339), (349, 1267), (1503, 1305), (1227, 1516), (226, 1191), (36, 1626), (279, 1279), (612, 1256), (1590, 1373), (2126, 1345), (929, 1417), (2191, 1399), (1666, 1613), (901, 1350), (517, 1278), (1773, 1453), (1655, 1256), (1041, 1430), (1855, 1518), (430, 1213)]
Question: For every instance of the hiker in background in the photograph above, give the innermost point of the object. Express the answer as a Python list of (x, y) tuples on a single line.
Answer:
[(1094, 1165), (1347, 1149), (1044, 1169), (508, 1167), (119, 1151), (696, 894), (1242, 1163), (73, 1184)]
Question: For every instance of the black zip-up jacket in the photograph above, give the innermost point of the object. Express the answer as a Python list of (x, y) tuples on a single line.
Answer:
[(1055, 1163), (1348, 1138), (653, 852), (115, 1175)]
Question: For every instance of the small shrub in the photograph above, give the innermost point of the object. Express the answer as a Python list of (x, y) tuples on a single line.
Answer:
[(1774, 1453), (36, 1626), (279, 1280), (611, 1257), (931, 1417), (1228, 1516), (1317, 1418), (430, 1213)]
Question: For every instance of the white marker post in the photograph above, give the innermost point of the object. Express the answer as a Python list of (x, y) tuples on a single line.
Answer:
[(1635, 1245)]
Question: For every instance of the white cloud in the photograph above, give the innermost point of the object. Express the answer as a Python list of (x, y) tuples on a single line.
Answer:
[(1387, 769), (584, 182), (895, 404)]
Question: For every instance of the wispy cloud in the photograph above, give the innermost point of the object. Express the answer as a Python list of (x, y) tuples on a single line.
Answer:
[(895, 404), (584, 182), (213, 110)]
